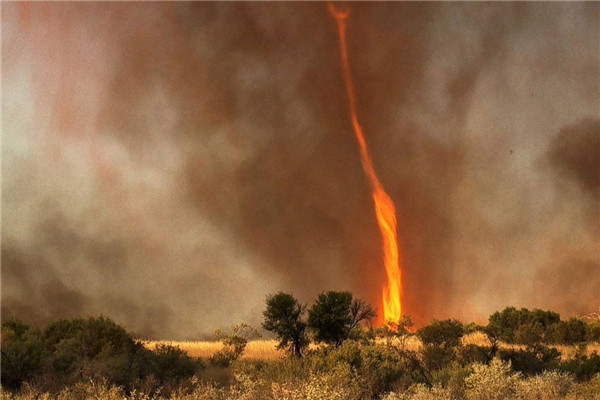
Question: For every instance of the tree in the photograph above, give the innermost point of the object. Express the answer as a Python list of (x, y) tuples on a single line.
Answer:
[(335, 315), (284, 317)]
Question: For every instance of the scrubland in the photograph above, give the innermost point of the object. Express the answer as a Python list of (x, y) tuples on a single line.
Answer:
[(267, 349), (288, 379), (96, 358)]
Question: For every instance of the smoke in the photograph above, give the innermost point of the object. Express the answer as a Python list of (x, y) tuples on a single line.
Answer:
[(170, 164), (575, 154), (573, 159)]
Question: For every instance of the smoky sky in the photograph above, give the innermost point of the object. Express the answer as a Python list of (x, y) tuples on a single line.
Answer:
[(170, 164)]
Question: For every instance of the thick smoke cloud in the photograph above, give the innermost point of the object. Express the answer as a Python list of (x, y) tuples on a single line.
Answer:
[(575, 153), (170, 164)]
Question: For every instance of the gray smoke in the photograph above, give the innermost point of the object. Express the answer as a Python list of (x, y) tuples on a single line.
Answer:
[(170, 164)]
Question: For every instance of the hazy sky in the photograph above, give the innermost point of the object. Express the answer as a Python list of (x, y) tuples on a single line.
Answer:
[(170, 164)]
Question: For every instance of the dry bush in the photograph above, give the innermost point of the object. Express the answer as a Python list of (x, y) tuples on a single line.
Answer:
[(549, 385), (91, 391), (495, 381), (26, 392), (420, 392), (337, 385)]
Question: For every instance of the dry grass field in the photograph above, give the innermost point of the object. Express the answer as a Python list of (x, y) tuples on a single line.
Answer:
[(267, 349), (255, 350)]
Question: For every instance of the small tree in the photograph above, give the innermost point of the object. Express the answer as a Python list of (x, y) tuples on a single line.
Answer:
[(335, 315), (234, 343), (284, 317)]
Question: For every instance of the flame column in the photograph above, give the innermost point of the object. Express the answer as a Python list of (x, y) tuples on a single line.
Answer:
[(384, 207)]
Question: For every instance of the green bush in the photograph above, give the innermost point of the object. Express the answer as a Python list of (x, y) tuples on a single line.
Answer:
[(522, 326), (91, 336), (446, 333), (69, 351), (173, 364), (529, 334), (472, 353), (569, 332), (23, 353), (452, 379), (593, 331), (583, 367), (378, 367), (532, 360), (437, 357)]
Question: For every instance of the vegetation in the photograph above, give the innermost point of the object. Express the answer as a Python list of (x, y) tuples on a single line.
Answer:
[(335, 316), (538, 326), (234, 344), (66, 352), (284, 317), (96, 358)]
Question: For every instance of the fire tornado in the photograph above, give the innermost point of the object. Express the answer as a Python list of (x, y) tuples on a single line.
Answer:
[(384, 207)]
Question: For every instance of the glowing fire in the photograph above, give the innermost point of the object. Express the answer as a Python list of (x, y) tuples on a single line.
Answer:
[(384, 207)]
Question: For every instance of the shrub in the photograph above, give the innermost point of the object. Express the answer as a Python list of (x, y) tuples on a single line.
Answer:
[(532, 360), (70, 351), (101, 390), (445, 333), (583, 367), (23, 353), (472, 353), (522, 326), (378, 368), (452, 379), (548, 385), (569, 332), (587, 390), (420, 392), (529, 334), (495, 381), (91, 336), (172, 363), (338, 384), (437, 357), (383, 370), (593, 331), (234, 344)]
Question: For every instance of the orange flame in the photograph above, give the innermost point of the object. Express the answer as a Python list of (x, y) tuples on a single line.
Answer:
[(384, 207)]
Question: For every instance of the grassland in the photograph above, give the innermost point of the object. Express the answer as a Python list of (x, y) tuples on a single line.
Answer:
[(255, 350), (267, 349)]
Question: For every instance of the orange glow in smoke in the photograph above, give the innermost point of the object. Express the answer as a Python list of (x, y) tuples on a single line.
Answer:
[(384, 207)]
